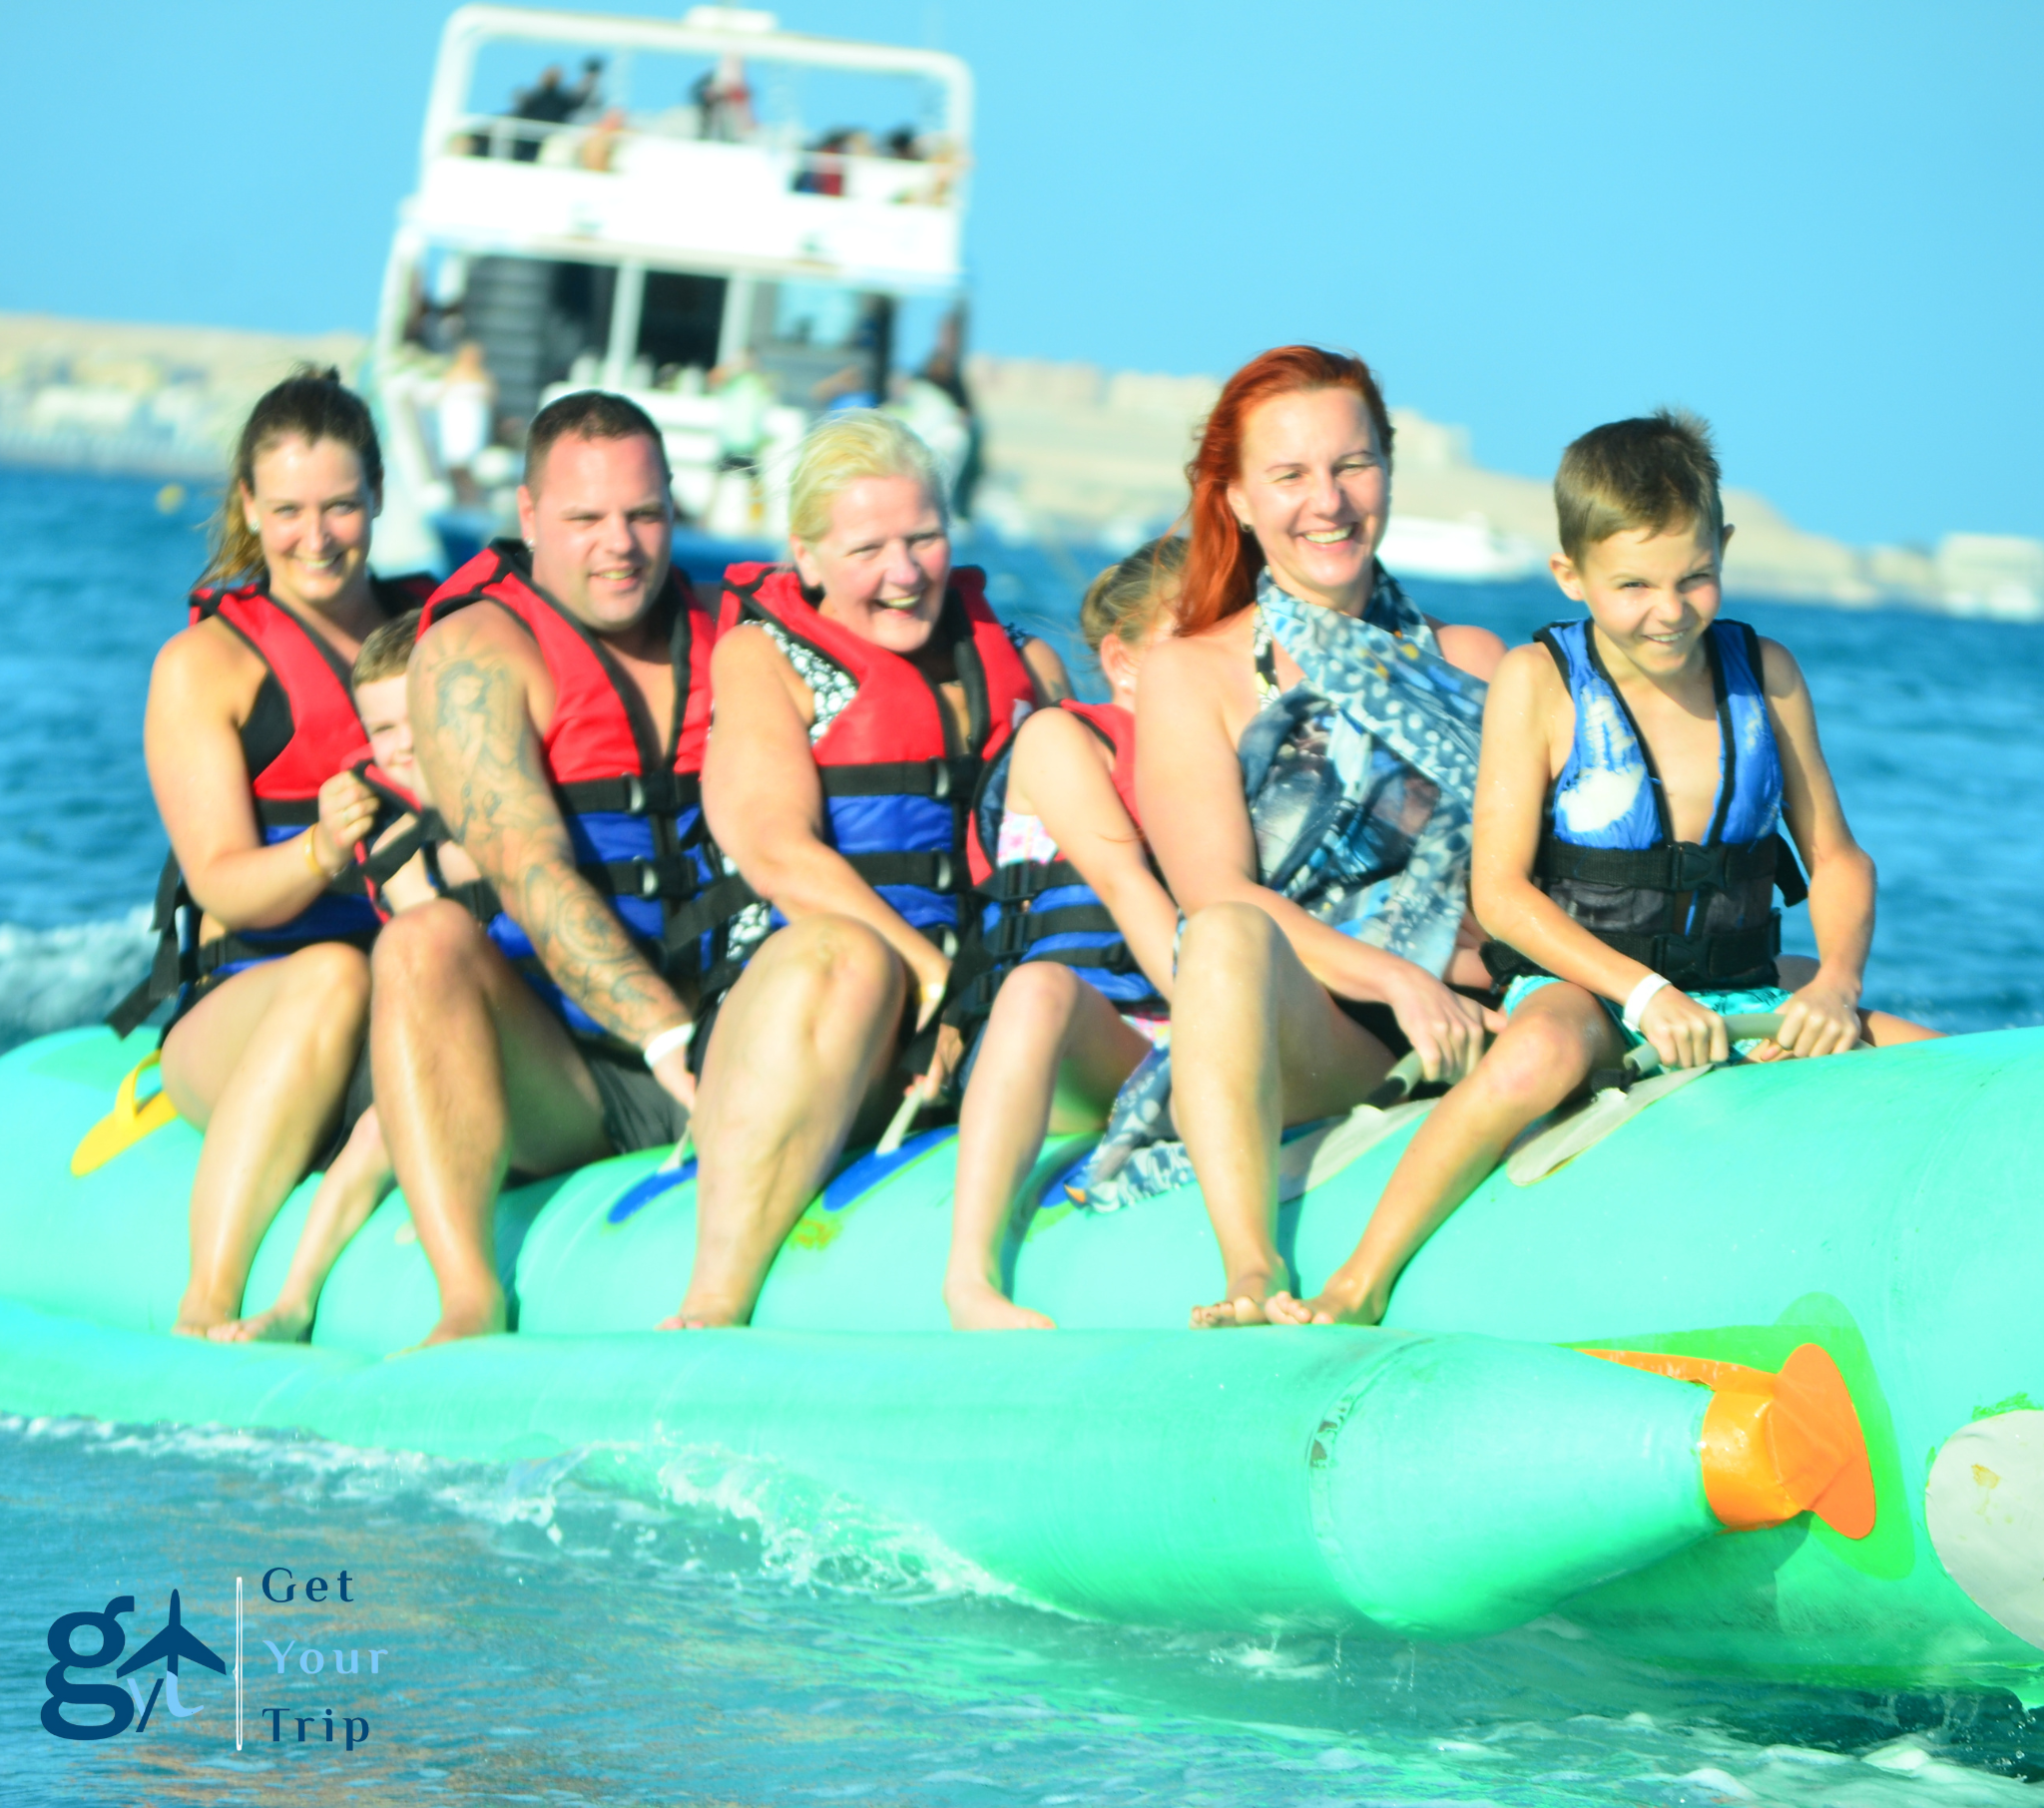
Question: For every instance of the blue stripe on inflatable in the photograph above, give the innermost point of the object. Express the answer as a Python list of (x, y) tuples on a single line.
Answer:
[(647, 1191), (873, 1167)]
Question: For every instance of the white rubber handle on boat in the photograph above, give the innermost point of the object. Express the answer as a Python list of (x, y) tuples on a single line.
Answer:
[(899, 1125), (1739, 1025), (1395, 1086)]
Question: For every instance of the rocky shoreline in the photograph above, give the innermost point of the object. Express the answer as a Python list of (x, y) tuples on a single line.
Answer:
[(1073, 454)]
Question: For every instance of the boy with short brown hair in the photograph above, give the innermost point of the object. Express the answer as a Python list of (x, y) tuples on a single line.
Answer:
[(1636, 769)]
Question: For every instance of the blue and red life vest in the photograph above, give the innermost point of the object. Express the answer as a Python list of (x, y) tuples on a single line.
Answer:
[(1044, 910), (301, 729), (1699, 914), (630, 794), (897, 798)]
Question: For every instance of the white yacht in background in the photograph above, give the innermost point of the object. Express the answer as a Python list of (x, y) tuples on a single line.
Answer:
[(723, 220), (1468, 551)]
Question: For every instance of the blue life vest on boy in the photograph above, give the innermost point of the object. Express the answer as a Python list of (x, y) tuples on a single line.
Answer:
[(631, 796), (1043, 910), (897, 802), (301, 729), (1699, 914)]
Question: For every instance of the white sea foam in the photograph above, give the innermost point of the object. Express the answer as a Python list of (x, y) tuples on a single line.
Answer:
[(749, 1558), (811, 1537), (802, 1537), (56, 979)]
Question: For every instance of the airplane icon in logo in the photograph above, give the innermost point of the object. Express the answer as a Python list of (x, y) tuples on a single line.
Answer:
[(172, 1644)]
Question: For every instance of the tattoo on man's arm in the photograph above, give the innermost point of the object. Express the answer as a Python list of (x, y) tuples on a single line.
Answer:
[(482, 759)]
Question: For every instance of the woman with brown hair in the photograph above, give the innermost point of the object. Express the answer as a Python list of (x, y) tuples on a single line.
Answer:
[(1306, 771), (250, 732)]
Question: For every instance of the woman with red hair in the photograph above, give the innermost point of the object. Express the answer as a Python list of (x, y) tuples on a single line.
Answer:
[(1306, 760)]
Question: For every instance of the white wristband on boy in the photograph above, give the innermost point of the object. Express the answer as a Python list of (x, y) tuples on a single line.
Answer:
[(1642, 997), (668, 1041)]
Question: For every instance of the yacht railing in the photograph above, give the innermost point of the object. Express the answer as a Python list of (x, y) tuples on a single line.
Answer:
[(927, 180), (468, 28)]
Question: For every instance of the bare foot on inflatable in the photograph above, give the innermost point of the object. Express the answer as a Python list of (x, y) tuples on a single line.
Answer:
[(1284, 1308), (1251, 1302), (483, 1317), (200, 1317), (707, 1312), (980, 1307), (284, 1323), (1343, 1302)]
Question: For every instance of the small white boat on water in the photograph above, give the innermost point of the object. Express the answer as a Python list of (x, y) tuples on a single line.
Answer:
[(729, 222), (1470, 550)]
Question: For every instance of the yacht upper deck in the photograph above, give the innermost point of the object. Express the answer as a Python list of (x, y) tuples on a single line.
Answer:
[(708, 186)]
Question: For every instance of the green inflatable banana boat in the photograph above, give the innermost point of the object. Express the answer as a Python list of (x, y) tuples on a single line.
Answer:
[(1730, 1371)]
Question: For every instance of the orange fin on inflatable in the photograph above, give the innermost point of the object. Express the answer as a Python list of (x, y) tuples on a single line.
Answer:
[(126, 1124), (1775, 1445)]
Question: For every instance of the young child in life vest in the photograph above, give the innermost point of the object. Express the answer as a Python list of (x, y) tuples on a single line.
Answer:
[(1079, 910), (1636, 768), (358, 1178)]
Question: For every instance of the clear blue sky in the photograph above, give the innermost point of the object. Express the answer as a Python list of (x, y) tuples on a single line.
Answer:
[(1821, 224)]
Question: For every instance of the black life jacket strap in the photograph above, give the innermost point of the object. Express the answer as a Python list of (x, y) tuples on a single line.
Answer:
[(707, 911), (668, 876), (939, 873), (287, 812), (1018, 931), (388, 858), (1788, 872), (166, 967), (658, 793), (952, 778), (1680, 866), (1021, 881), (1729, 960)]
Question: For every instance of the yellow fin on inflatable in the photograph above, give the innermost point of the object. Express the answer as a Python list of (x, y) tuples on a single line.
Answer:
[(127, 1124)]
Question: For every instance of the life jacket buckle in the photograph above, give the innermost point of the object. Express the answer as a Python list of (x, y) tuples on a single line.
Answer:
[(648, 878), (1699, 868), (945, 875), (1683, 960), (635, 798), (940, 780)]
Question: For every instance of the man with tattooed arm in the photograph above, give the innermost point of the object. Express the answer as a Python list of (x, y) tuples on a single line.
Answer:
[(559, 702)]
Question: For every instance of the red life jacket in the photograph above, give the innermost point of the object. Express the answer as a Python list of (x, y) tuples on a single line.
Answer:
[(326, 735), (631, 797), (897, 802), (301, 729), (1044, 910), (1116, 727)]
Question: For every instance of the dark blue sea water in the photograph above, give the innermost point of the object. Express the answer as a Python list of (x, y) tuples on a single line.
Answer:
[(544, 1640)]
